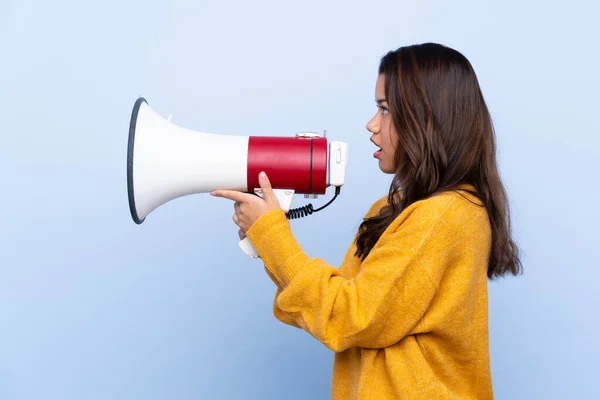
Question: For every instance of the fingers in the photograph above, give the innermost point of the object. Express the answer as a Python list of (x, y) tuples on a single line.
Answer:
[(238, 213), (231, 195), (265, 185)]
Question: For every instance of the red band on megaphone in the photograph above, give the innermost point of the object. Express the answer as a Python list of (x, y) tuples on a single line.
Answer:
[(290, 163)]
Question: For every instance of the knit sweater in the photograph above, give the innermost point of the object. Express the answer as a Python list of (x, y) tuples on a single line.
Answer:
[(410, 320)]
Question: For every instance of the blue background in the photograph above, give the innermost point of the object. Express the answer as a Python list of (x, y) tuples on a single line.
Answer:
[(93, 306)]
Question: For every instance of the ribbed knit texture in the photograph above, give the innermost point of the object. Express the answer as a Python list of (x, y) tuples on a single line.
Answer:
[(408, 322)]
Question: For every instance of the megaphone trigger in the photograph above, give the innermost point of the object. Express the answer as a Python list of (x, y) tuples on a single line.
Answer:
[(284, 196)]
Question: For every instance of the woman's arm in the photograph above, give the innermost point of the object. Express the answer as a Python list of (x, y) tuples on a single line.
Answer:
[(375, 309)]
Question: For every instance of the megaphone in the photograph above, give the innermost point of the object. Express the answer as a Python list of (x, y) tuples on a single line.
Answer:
[(166, 161)]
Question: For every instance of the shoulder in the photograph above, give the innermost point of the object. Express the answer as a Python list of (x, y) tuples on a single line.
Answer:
[(450, 206), (450, 202), (448, 216)]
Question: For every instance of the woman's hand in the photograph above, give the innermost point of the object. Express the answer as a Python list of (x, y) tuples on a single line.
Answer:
[(250, 207)]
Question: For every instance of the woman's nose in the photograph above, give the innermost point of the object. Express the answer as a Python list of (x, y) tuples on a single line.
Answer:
[(373, 125)]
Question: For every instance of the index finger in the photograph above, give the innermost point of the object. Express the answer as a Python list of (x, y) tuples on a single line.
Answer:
[(231, 194)]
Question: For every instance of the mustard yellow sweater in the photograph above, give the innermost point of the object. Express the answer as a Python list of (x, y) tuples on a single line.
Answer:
[(408, 322)]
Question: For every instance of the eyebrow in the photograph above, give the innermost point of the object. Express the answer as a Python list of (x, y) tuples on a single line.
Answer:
[(379, 101)]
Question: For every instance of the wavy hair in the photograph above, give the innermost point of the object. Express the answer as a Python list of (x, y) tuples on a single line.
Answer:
[(445, 138)]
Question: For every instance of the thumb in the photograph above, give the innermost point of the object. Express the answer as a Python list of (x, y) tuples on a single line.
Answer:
[(266, 188)]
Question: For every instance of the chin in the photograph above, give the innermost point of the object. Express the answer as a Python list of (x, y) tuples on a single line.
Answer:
[(385, 169)]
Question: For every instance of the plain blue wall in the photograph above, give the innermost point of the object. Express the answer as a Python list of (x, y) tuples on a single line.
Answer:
[(93, 306)]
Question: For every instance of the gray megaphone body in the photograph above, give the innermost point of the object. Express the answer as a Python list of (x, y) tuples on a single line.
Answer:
[(166, 161)]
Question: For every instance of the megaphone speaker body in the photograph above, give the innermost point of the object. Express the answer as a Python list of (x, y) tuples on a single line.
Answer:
[(166, 161)]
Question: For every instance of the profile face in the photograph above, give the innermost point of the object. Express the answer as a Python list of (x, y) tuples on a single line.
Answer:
[(383, 130)]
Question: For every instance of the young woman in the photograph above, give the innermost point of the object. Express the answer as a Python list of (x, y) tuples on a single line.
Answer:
[(406, 312)]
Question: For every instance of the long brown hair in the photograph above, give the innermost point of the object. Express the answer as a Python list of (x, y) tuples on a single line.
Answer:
[(445, 138)]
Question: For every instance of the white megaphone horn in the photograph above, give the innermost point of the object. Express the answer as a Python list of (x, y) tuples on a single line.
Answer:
[(166, 161)]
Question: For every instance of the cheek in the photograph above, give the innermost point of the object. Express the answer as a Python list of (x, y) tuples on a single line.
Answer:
[(392, 146), (393, 139), (390, 140), (394, 142)]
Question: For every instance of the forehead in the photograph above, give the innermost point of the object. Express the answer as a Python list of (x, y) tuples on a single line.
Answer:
[(380, 87)]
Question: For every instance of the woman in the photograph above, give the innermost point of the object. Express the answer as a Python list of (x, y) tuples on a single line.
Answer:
[(406, 312)]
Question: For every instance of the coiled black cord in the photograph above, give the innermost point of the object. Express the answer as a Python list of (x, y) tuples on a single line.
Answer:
[(300, 212), (308, 209)]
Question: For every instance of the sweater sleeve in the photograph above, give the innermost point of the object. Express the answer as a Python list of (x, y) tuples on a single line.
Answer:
[(277, 312), (375, 309)]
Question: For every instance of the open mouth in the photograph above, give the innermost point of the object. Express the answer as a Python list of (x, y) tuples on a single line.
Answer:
[(377, 151)]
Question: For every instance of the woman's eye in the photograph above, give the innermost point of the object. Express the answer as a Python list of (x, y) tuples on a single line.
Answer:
[(384, 110)]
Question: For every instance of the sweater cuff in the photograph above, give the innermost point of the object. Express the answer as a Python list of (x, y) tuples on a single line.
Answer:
[(271, 236)]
